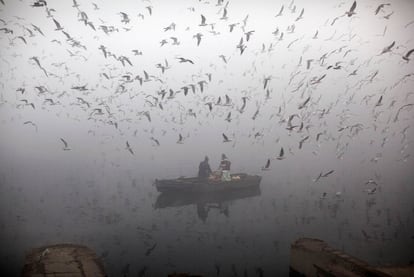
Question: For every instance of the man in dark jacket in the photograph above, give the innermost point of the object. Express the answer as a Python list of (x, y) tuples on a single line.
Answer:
[(204, 169)]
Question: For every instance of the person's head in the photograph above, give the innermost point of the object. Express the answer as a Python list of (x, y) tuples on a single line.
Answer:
[(206, 158), (223, 156)]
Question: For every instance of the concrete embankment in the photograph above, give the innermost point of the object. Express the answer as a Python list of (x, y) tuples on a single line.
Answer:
[(314, 257), (62, 260)]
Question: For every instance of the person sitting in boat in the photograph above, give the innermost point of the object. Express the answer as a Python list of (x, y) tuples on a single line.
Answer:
[(225, 168), (204, 169)]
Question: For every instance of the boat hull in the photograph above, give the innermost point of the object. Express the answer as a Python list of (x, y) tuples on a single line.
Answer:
[(200, 185), (185, 198)]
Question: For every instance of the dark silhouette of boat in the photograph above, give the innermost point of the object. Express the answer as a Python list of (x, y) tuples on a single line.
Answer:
[(197, 185), (194, 197)]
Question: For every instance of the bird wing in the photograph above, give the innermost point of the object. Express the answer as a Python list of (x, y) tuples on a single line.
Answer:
[(57, 24), (351, 10), (64, 142), (409, 53), (328, 173)]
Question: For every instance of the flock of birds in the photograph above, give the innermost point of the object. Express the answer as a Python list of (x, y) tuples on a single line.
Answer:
[(194, 104), (195, 99)]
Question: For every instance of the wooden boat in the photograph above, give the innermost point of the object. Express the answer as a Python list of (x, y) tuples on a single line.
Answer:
[(185, 198), (194, 184)]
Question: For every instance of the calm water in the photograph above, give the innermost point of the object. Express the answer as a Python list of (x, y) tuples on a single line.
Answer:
[(120, 222)]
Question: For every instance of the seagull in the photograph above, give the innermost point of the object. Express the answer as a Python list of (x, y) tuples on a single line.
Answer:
[(149, 8), (180, 139), (66, 148), (125, 18), (228, 118), (37, 29), (148, 252), (266, 81), (210, 106), (184, 60), (175, 41), (379, 102), (203, 21), (128, 147), (405, 57), (223, 58), (388, 48), (301, 106), (323, 175), (328, 173), (281, 154), (300, 15), (31, 123), (225, 138), (380, 7), (156, 141), (351, 10), (241, 46), (232, 26), (36, 59), (58, 27), (302, 141), (267, 166), (198, 36), (248, 34), (281, 11), (224, 16)]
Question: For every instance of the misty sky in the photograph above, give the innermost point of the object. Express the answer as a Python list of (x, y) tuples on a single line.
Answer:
[(334, 91)]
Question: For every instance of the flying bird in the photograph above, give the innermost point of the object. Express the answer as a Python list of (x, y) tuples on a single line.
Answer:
[(65, 144), (31, 123), (58, 26), (198, 37), (180, 139), (407, 55), (281, 154), (203, 21), (300, 15), (302, 141), (380, 7), (388, 48), (351, 10), (148, 252), (267, 166), (128, 147), (225, 138), (301, 106), (155, 141), (281, 11)]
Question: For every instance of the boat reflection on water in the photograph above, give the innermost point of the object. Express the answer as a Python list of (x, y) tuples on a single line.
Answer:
[(205, 201)]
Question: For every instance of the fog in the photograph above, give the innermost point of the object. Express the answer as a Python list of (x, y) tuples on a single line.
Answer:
[(331, 86)]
